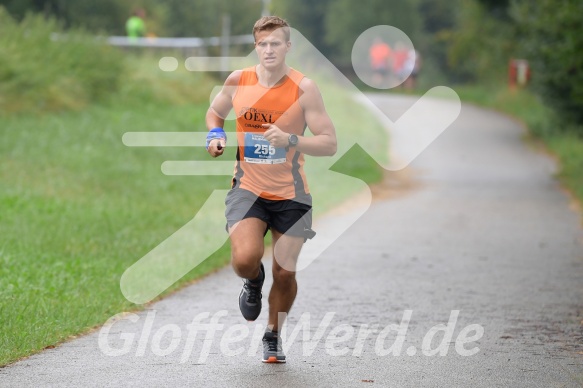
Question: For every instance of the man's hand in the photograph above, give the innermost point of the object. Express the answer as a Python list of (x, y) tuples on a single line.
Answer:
[(275, 136), (216, 147)]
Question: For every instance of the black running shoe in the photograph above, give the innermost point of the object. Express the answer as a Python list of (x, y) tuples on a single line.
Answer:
[(250, 298), (272, 352)]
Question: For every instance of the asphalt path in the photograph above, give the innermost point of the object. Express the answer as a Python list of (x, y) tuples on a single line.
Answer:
[(465, 271)]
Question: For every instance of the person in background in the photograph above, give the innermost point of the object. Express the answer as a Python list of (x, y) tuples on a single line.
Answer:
[(380, 60), (135, 25), (400, 57), (412, 66)]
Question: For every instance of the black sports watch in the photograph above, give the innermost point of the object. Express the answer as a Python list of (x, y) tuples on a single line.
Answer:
[(292, 140)]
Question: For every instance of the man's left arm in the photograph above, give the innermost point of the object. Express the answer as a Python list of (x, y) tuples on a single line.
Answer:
[(323, 143)]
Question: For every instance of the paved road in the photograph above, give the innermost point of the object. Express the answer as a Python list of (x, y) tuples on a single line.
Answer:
[(475, 235)]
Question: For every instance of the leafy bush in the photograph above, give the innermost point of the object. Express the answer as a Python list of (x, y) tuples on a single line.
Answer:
[(42, 69), (479, 47), (552, 39)]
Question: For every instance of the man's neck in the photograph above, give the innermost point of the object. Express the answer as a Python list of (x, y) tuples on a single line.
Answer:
[(271, 78)]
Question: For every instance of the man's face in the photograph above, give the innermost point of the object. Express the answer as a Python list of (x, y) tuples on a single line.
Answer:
[(271, 48)]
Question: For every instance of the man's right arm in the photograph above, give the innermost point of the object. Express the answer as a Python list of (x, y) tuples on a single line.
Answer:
[(219, 110)]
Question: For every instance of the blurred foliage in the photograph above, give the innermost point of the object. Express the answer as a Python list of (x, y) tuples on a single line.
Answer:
[(95, 16), (308, 17), (438, 22), (39, 72), (480, 45), (44, 68), (551, 37), (486, 34), (345, 20), (204, 17), (460, 41), (163, 17)]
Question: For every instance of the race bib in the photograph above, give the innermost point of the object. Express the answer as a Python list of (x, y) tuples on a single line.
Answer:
[(258, 150)]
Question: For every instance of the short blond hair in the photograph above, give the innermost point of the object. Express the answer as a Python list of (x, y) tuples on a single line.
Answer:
[(271, 23)]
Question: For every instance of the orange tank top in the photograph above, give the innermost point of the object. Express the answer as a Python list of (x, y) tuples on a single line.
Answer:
[(269, 172)]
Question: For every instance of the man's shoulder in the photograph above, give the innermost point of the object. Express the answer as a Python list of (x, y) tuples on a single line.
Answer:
[(234, 78), (309, 93), (308, 85)]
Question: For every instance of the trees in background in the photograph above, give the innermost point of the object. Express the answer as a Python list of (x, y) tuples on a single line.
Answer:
[(480, 43), (309, 17), (96, 16), (164, 17), (39, 74), (548, 33), (204, 17), (460, 40), (551, 37), (345, 20)]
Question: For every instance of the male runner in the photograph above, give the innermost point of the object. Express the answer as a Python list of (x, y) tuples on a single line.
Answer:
[(273, 104)]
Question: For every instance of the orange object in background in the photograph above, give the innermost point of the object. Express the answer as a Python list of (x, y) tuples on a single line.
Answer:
[(380, 53)]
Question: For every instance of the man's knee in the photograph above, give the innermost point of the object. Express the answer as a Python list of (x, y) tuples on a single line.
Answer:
[(246, 264), (283, 277)]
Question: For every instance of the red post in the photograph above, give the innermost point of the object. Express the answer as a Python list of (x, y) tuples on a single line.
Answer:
[(518, 73)]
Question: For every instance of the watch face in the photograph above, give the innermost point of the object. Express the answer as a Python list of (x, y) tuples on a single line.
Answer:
[(293, 140)]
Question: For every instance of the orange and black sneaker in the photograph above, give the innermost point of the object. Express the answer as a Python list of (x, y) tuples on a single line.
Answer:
[(272, 351), (250, 297)]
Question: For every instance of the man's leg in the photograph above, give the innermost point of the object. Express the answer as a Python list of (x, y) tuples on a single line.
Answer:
[(246, 253), (247, 246), (286, 250)]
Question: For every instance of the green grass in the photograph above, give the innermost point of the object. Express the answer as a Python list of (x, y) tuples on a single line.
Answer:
[(77, 207), (41, 74), (542, 125), (353, 169), (569, 149)]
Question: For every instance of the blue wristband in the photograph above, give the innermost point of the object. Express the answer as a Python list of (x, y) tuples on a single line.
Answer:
[(215, 133)]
